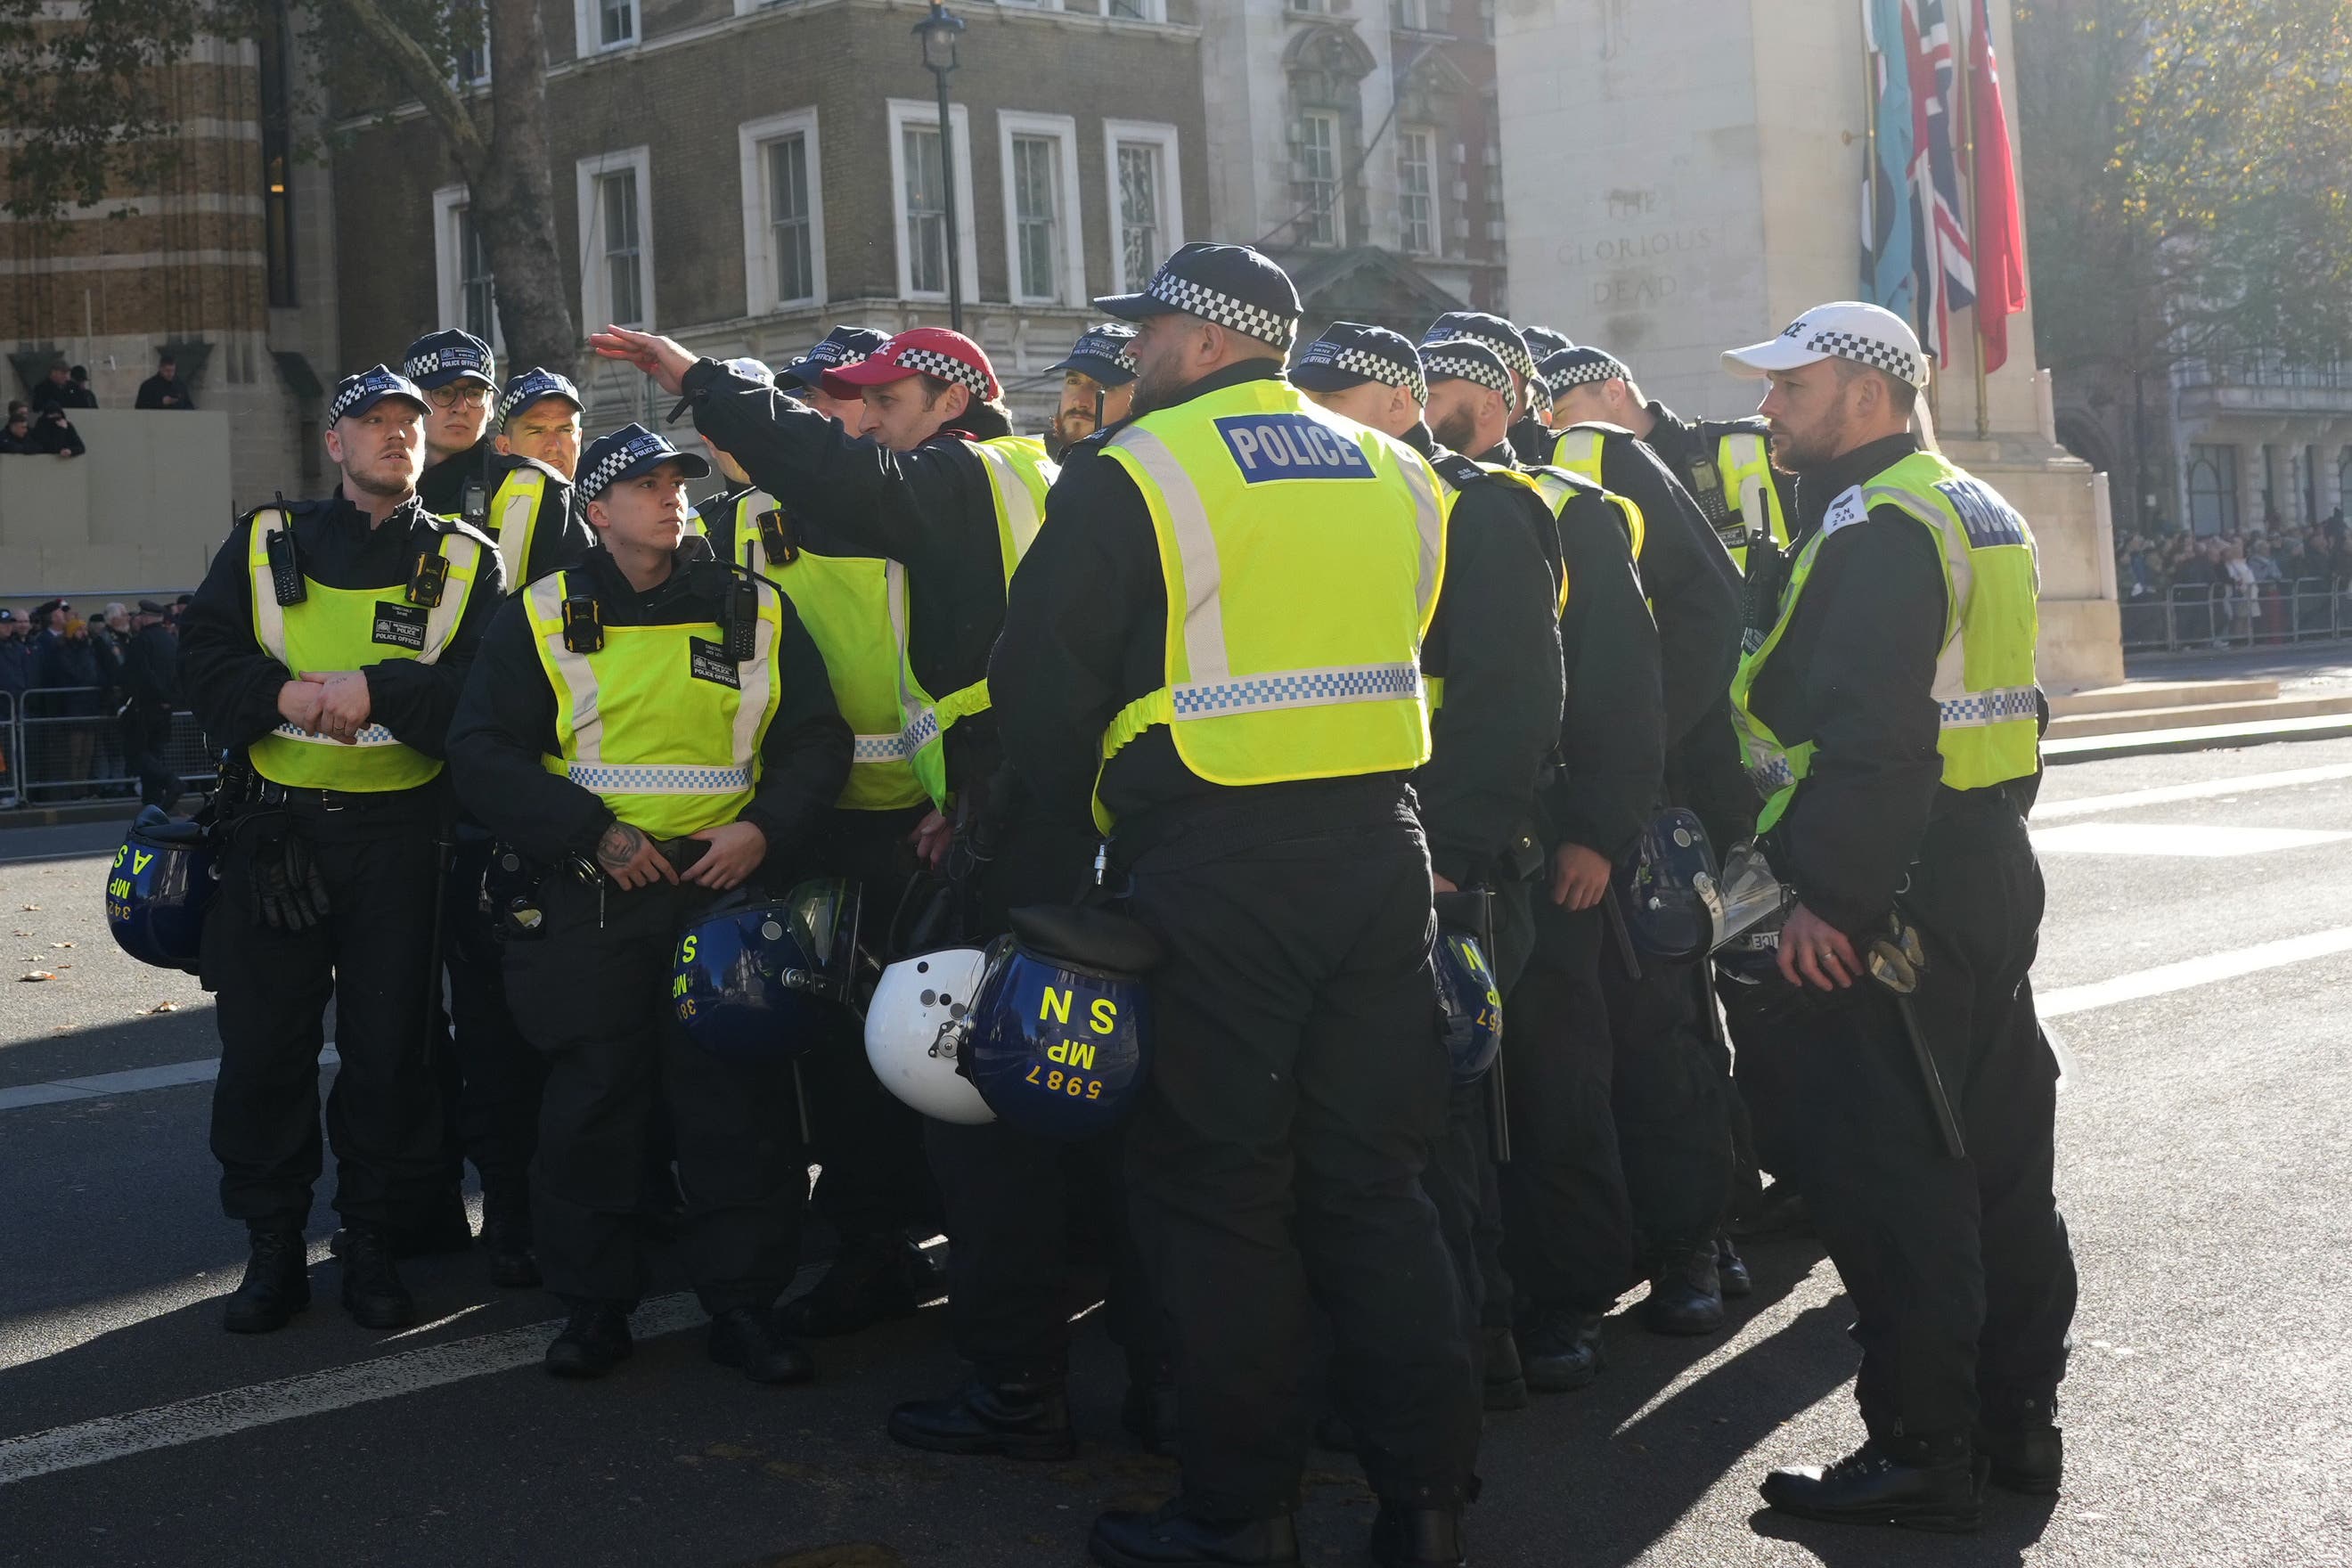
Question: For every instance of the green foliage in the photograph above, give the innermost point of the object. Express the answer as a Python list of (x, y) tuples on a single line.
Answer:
[(2185, 177), (82, 97)]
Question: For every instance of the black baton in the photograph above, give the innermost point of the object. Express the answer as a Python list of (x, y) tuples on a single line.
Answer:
[(1895, 961)]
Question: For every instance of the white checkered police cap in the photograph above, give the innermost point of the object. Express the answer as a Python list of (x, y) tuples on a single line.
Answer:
[(1847, 330)]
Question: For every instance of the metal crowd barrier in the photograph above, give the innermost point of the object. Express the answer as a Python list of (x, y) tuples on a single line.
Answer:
[(2192, 615), (65, 743)]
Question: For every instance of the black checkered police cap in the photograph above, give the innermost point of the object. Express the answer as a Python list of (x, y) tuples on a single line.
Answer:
[(1468, 359), (1234, 286), (1491, 330), (1580, 365), (1543, 341), (1101, 352), (838, 350), (436, 359), (1847, 330), (1349, 354), (355, 395), (631, 449), (535, 386)]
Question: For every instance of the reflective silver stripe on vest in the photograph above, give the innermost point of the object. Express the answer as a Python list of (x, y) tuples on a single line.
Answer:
[(515, 525), (1196, 547), (440, 622), (1429, 519), (656, 778), (1298, 689), (1980, 708), (919, 728), (268, 615), (369, 735), (1019, 507), (578, 680)]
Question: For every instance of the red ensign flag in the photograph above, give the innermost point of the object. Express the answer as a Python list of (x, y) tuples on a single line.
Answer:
[(2000, 253)]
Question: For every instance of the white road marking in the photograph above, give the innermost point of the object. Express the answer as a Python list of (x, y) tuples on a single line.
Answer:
[(313, 1394), (2195, 840), (2166, 978), (2208, 789), (133, 1080)]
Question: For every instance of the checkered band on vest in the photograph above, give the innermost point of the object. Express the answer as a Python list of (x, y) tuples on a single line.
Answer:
[(1213, 305), (1560, 378), (1444, 366), (596, 481), (1892, 358), (946, 367)]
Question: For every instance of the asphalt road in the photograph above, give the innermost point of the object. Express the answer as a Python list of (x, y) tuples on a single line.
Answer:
[(2202, 1166)]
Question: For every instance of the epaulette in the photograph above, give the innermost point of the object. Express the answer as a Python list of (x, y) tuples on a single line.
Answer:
[(1574, 481), (1459, 471)]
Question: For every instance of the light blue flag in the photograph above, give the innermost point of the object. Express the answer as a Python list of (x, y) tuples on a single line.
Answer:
[(1893, 282)]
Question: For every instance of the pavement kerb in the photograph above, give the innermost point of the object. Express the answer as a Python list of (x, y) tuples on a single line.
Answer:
[(2196, 737), (122, 809)]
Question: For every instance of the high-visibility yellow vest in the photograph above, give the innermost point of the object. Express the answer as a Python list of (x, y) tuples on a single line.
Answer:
[(1577, 451), (1554, 495), (1739, 476), (855, 607), (1302, 554), (345, 628), (659, 723), (513, 517), (1019, 474), (1985, 674)]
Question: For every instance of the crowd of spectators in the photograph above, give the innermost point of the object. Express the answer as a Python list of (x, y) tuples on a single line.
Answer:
[(73, 678), (2233, 589)]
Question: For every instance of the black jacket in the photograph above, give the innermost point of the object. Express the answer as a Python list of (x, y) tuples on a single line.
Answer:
[(1693, 587), (1683, 444), (1085, 633), (559, 536), (232, 686), (155, 389), (506, 723), (150, 665), (930, 510), (1495, 643), (1855, 674)]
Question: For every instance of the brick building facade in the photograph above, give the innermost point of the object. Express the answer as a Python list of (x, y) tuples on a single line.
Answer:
[(740, 176)]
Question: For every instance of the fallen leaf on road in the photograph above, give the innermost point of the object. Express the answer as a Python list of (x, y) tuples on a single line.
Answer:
[(36, 975), (60, 944), (32, 906), (165, 1008)]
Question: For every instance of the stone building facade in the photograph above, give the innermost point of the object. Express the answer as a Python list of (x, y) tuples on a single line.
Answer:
[(740, 176), (226, 260)]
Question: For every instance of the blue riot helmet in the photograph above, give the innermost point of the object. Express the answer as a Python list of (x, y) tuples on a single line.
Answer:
[(1667, 890), (158, 889), (1469, 1004), (1061, 1035), (765, 978)]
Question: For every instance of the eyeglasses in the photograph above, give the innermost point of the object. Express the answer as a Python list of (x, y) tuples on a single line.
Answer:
[(459, 394)]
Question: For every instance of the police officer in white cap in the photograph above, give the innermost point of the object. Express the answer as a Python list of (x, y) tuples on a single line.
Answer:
[(1889, 714)]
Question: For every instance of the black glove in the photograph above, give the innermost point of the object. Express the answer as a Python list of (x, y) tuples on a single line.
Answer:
[(286, 891)]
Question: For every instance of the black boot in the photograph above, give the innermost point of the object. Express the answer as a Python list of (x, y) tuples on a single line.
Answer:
[(276, 1284), (595, 1339), (1561, 1350), (865, 1285), (372, 1293), (1921, 1483), (1418, 1538), (2022, 1443), (1685, 1297), (505, 1237), (1018, 1420), (1731, 1270), (1148, 1413), (1172, 1537), (1505, 1380), (749, 1337)]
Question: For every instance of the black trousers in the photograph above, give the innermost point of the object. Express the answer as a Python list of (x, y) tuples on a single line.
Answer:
[(1667, 1093), (494, 1100), (594, 1000), (1296, 1087), (146, 744), (1960, 1273), (372, 955), (875, 1178)]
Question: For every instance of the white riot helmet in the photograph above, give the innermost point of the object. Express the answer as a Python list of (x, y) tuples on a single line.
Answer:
[(918, 1021)]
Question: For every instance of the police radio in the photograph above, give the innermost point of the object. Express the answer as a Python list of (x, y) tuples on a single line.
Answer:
[(285, 564), (776, 539), (740, 616), (474, 504)]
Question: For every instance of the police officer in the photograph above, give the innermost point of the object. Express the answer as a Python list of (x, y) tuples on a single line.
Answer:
[(839, 349), (1725, 464), (150, 676), (1098, 385), (539, 418), (1258, 729), (1675, 1122), (700, 745), (1891, 715), (938, 484), (1531, 436), (1504, 339), (457, 371), (1493, 662), (326, 649)]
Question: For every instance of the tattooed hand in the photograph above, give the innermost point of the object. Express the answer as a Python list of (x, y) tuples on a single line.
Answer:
[(630, 858)]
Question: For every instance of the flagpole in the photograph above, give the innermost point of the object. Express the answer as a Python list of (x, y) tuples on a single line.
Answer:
[(1965, 105), (1870, 149)]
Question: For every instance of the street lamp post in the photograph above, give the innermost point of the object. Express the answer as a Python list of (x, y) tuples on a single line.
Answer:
[(939, 32)]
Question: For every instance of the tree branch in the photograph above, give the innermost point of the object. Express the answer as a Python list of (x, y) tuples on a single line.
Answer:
[(424, 75)]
